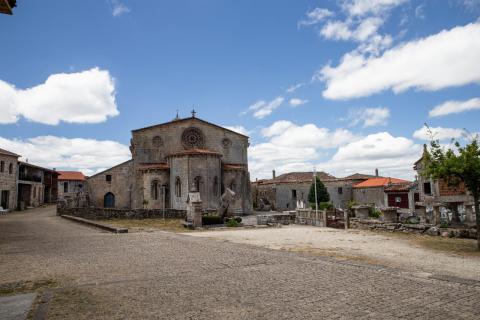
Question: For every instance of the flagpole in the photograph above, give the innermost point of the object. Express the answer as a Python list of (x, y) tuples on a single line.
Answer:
[(315, 183)]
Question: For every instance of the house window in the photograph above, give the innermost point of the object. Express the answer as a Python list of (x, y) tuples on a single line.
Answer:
[(10, 168), (340, 190), (294, 193), (108, 178), (178, 187), (427, 188), (65, 187), (154, 190), (2, 166)]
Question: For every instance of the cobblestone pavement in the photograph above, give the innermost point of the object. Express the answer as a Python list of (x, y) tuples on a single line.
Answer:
[(162, 275)]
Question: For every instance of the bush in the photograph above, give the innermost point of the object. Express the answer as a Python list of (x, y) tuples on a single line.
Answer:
[(444, 224), (325, 206), (209, 220), (374, 213), (232, 223)]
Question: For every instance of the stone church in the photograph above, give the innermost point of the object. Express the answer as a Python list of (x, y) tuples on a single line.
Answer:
[(170, 160)]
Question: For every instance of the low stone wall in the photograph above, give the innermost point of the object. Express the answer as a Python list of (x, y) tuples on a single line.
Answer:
[(107, 213), (421, 228), (276, 218), (311, 218)]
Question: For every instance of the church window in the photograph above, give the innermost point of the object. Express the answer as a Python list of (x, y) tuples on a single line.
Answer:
[(178, 187), (198, 183), (193, 138), (154, 190), (10, 168)]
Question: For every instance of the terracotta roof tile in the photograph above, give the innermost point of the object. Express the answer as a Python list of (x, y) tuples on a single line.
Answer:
[(195, 151), (71, 175), (406, 186), (379, 182), (154, 166)]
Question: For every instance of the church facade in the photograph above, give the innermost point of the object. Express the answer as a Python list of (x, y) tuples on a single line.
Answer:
[(170, 160)]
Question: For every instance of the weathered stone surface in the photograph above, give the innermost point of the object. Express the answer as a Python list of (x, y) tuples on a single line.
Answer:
[(433, 231), (107, 213), (8, 181)]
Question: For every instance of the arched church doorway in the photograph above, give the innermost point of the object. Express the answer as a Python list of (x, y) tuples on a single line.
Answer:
[(109, 200)]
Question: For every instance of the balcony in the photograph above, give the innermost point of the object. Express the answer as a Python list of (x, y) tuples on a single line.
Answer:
[(29, 177)]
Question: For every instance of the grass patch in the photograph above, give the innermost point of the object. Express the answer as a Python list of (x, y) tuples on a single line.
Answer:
[(457, 246), (173, 225), (8, 289)]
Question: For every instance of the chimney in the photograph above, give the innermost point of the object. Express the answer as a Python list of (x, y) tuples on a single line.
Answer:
[(273, 174), (376, 172)]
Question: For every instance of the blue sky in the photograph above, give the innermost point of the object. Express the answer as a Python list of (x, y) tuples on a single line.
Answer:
[(366, 74)]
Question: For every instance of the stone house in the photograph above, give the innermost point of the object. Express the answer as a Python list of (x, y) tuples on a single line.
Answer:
[(285, 191), (170, 160), (71, 184), (35, 185), (8, 179), (384, 192), (440, 200)]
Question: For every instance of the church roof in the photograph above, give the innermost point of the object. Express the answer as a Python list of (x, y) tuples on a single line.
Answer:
[(195, 151), (176, 121), (8, 153)]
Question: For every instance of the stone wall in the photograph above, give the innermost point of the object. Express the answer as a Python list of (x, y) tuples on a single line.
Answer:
[(8, 181), (373, 195), (107, 213), (74, 187), (120, 186)]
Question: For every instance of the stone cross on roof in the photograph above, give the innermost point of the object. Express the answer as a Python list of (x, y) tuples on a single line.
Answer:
[(193, 113)]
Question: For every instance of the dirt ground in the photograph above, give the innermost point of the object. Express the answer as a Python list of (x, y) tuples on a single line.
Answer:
[(415, 253)]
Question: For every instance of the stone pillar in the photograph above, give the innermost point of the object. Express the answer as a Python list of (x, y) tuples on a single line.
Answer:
[(390, 215), (436, 215), (346, 219), (324, 216), (470, 215), (421, 214), (194, 209)]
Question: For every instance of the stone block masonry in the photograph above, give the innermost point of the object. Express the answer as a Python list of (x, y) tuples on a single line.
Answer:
[(108, 213)]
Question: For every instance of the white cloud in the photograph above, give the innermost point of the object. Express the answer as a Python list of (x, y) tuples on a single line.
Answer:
[(293, 147), (239, 129), (118, 8), (369, 117), (294, 87), (315, 16), (393, 156), (365, 7), (446, 59), (438, 133), (470, 4), (419, 11), (86, 155), (453, 106), (261, 108), (295, 102), (345, 30), (82, 97)]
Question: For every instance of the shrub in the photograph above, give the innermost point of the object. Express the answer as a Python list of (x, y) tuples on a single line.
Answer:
[(325, 206), (444, 224), (232, 223), (209, 220), (374, 213)]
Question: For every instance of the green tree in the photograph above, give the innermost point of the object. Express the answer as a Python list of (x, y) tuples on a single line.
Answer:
[(322, 194), (461, 165)]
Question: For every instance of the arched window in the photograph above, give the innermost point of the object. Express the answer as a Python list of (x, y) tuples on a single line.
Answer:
[(154, 190), (109, 200), (198, 183), (178, 187), (215, 186), (10, 168)]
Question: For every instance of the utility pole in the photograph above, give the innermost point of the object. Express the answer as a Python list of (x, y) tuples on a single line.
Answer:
[(163, 209), (315, 183)]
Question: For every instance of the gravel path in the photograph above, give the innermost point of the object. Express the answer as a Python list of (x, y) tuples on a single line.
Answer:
[(357, 244), (161, 275)]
